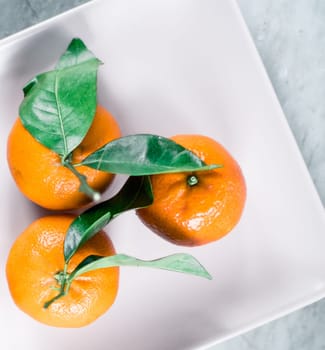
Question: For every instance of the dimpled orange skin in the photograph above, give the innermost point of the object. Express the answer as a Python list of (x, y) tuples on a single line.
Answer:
[(202, 213), (42, 178), (34, 259)]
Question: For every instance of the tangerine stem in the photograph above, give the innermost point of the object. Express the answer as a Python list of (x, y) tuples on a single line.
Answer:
[(62, 278), (48, 303), (192, 180)]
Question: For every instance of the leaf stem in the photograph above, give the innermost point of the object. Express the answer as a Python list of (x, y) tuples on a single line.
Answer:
[(77, 164), (84, 187)]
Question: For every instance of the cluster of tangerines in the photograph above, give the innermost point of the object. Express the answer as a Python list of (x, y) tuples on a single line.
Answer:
[(189, 208)]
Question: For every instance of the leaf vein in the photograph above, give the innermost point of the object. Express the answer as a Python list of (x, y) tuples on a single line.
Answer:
[(60, 117)]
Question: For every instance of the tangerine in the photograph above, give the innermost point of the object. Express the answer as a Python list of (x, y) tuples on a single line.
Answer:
[(196, 208), (36, 258), (40, 175)]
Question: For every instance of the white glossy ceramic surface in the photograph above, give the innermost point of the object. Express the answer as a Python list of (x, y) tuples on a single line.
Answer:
[(171, 67)]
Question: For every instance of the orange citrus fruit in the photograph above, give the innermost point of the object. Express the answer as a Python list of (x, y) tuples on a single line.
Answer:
[(36, 258), (42, 178), (197, 208)]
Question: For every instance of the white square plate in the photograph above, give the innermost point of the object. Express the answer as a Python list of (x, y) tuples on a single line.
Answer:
[(184, 66)]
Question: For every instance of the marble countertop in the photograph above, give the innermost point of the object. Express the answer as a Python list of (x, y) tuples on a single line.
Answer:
[(290, 37)]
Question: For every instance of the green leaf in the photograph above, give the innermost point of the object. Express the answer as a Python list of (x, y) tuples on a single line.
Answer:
[(177, 262), (145, 154), (136, 193), (59, 105), (76, 53)]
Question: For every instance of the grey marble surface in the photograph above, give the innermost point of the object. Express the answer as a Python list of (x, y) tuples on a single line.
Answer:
[(290, 37)]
